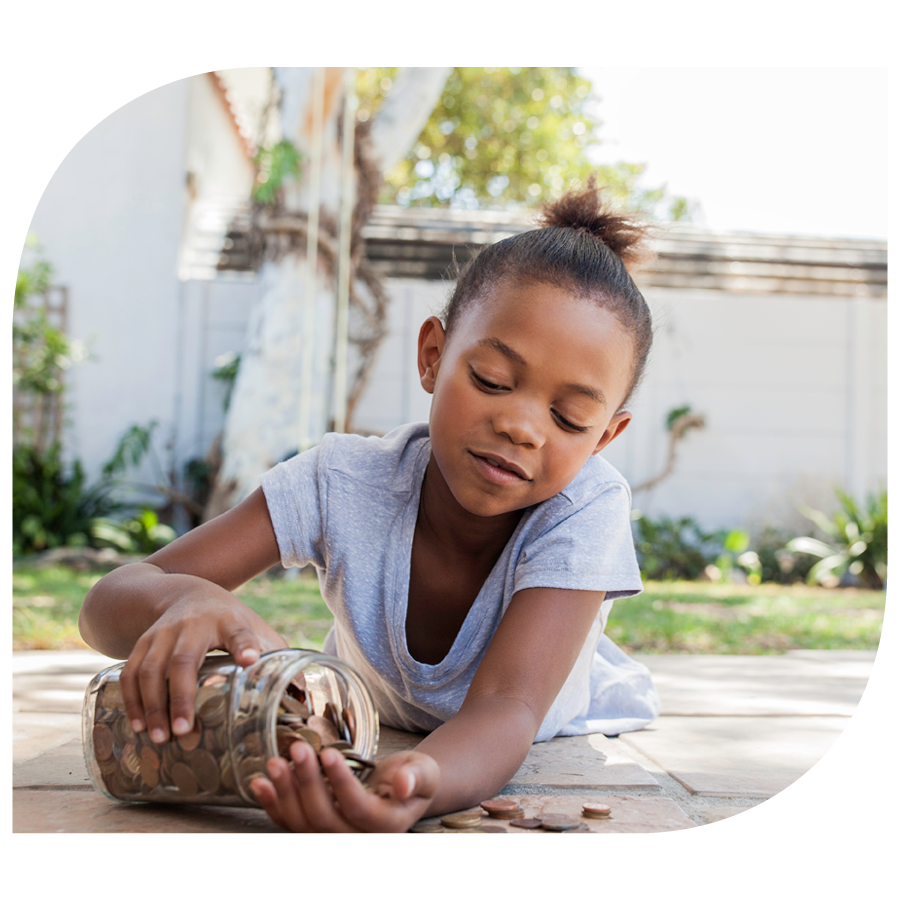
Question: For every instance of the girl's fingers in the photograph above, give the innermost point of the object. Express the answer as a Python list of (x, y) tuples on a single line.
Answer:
[(313, 793), (279, 796), (183, 665), (131, 691), (244, 646)]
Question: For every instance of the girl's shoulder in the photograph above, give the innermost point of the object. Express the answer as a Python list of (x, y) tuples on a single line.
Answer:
[(390, 461), (597, 480)]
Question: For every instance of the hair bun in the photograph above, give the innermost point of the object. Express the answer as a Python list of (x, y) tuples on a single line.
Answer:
[(585, 210)]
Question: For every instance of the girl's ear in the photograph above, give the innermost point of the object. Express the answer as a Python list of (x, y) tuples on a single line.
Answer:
[(431, 347), (616, 426)]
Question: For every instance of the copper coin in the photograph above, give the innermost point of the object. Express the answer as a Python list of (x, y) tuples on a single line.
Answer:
[(526, 823), (426, 828), (206, 770), (325, 729), (516, 813), (294, 707), (498, 803), (191, 740), (596, 810), (150, 757), (466, 819), (311, 737), (103, 741), (493, 829), (557, 822), (184, 779), (212, 710), (149, 774)]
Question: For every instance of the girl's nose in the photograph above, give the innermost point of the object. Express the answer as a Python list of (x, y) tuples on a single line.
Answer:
[(520, 423)]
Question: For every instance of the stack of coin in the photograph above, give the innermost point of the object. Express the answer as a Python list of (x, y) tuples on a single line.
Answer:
[(469, 818), (596, 811), (207, 764), (503, 808)]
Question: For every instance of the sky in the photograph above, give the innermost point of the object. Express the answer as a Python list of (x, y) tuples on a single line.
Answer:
[(777, 150)]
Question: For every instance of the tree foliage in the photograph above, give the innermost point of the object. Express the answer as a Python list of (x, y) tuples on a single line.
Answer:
[(508, 138)]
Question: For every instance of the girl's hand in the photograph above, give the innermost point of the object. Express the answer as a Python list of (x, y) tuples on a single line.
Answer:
[(159, 681), (396, 795)]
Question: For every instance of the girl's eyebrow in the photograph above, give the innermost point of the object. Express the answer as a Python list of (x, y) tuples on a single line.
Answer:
[(505, 349), (496, 344)]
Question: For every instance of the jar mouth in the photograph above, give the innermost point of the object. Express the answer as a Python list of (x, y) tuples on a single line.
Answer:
[(334, 692)]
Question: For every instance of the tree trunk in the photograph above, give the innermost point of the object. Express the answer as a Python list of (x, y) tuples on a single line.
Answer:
[(264, 421)]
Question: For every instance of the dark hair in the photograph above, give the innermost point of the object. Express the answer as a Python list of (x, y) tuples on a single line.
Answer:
[(581, 243)]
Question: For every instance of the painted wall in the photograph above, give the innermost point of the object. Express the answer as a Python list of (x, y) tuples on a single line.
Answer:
[(793, 389), (110, 223)]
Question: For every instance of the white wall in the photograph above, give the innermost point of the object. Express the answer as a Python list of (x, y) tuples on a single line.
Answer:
[(793, 388), (110, 224)]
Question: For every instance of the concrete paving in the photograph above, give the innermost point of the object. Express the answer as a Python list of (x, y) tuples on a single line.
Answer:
[(733, 732)]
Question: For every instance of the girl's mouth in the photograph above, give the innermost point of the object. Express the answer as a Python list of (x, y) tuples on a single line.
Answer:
[(499, 470)]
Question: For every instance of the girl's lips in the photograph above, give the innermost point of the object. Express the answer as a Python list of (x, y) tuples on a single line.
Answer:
[(499, 470)]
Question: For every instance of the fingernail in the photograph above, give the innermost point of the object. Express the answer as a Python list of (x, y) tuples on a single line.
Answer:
[(332, 757), (181, 726), (249, 655), (137, 726), (158, 736)]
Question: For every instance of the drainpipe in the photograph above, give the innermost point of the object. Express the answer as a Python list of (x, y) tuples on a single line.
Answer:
[(312, 248), (343, 293)]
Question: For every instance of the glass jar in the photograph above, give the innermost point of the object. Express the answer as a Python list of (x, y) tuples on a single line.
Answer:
[(243, 717)]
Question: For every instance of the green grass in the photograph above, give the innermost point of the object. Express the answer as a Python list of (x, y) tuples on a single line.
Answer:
[(692, 617), (669, 617)]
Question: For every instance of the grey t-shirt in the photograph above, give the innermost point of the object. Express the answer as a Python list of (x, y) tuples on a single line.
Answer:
[(349, 506)]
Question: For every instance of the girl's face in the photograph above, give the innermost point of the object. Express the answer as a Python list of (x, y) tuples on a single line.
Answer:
[(526, 388)]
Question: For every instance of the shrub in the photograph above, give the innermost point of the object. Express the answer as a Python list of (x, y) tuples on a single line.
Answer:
[(854, 542), (52, 505), (670, 549)]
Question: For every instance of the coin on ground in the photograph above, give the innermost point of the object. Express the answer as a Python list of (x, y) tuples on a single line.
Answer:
[(526, 823), (426, 828), (556, 822), (466, 819), (596, 810), (516, 813), (498, 803)]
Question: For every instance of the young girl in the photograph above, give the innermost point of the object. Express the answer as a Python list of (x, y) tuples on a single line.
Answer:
[(470, 564)]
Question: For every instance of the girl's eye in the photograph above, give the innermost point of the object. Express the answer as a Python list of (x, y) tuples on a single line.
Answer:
[(489, 385), (569, 425)]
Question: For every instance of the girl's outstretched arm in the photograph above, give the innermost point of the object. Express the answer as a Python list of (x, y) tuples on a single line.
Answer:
[(470, 757), (166, 613)]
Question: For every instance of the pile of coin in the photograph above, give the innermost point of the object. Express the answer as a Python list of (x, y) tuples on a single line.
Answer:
[(473, 820), (207, 764)]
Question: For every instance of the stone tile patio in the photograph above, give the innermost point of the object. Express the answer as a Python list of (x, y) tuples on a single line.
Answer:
[(733, 732)]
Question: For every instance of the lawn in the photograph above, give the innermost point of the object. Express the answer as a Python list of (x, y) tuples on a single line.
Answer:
[(669, 617)]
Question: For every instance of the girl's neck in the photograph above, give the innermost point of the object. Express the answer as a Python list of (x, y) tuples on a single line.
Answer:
[(453, 529)]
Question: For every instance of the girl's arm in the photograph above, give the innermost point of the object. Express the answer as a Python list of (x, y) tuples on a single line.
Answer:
[(465, 760), (166, 613)]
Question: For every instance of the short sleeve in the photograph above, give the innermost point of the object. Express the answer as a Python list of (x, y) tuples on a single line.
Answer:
[(588, 547), (294, 495)]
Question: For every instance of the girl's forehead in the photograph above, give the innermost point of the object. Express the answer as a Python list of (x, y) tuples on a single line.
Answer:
[(512, 304)]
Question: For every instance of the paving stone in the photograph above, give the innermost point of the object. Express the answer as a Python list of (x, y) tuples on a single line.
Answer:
[(61, 767), (798, 683), (586, 763), (36, 732), (731, 756), (87, 812), (629, 814), (718, 813)]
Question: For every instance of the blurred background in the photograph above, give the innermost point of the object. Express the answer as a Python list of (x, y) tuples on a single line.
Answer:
[(171, 341)]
